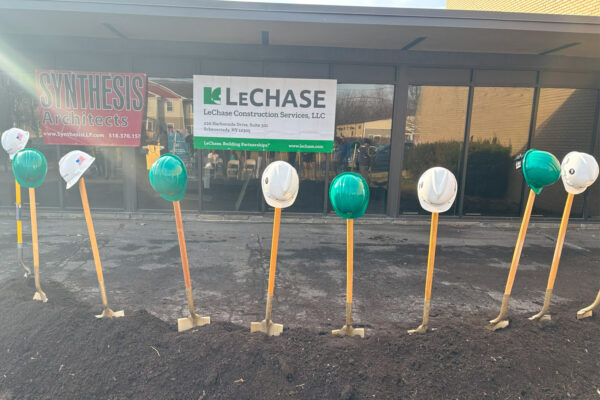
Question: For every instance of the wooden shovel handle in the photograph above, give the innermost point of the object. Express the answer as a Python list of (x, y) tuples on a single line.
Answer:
[(274, 245), (349, 259), (519, 246), (560, 241), (182, 248), (431, 255), (91, 232)]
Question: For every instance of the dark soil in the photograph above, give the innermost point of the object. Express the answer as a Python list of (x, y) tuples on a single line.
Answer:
[(58, 350)]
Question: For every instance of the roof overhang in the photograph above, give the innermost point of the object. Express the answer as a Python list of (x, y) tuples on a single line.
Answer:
[(306, 25)]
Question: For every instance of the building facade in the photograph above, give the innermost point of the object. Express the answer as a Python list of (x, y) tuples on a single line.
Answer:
[(564, 7), (469, 91)]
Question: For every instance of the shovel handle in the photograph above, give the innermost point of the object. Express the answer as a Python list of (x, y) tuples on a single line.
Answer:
[(349, 259), (90, 227), (431, 255), (182, 248), (18, 206), (519, 246), (274, 245), (34, 232), (560, 241)]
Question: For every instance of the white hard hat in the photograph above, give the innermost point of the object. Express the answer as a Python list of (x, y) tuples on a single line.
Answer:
[(437, 190), (14, 140), (72, 165), (280, 184), (578, 171)]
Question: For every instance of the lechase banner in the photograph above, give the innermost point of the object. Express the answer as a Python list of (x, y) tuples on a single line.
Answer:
[(264, 114)]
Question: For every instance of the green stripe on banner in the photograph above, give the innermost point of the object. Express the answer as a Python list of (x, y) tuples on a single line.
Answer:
[(306, 146)]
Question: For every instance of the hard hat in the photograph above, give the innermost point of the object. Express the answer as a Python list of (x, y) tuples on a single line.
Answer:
[(13, 140), (29, 167), (540, 169), (168, 177), (437, 190), (280, 184), (72, 165), (578, 171), (349, 195)]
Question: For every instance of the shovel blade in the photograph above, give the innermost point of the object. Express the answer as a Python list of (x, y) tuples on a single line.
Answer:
[(270, 328), (108, 313), (499, 325), (581, 314), (40, 296), (184, 324), (420, 329), (345, 331)]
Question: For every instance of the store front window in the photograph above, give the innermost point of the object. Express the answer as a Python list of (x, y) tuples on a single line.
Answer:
[(363, 137), (435, 130), (499, 132), (565, 123), (169, 123)]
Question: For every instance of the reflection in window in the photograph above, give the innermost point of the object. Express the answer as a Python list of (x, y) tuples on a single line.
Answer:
[(565, 123), (435, 130), (363, 135), (172, 133), (499, 132)]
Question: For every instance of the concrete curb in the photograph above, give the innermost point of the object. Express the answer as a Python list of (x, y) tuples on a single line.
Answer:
[(420, 220)]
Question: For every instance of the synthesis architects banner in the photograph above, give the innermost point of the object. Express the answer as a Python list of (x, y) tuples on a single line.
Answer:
[(91, 108), (264, 114)]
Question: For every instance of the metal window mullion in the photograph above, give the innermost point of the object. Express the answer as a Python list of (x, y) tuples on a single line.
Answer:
[(594, 148), (465, 148), (397, 141), (532, 127)]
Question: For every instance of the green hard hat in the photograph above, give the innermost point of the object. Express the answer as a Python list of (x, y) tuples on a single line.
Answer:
[(30, 167), (168, 177), (540, 169), (349, 195)]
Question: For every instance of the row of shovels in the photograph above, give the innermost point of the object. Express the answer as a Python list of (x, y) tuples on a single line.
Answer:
[(349, 195)]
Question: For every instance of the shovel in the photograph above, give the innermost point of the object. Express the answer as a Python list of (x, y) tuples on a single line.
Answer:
[(183, 324), (588, 311), (20, 230), (429, 280), (499, 322), (266, 325), (107, 312), (39, 294), (348, 330), (542, 315)]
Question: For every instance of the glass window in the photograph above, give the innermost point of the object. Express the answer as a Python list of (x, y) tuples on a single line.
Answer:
[(363, 137), (565, 123), (171, 133), (24, 114), (499, 132), (103, 180), (435, 130)]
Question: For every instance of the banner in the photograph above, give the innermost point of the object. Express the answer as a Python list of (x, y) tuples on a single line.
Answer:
[(264, 114), (91, 108)]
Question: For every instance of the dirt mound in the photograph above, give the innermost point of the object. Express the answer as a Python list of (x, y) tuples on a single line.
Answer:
[(59, 350)]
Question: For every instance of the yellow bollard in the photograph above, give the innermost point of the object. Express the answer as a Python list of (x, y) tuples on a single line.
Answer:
[(20, 230), (194, 319), (429, 279), (39, 294), (543, 314), (499, 322), (267, 326)]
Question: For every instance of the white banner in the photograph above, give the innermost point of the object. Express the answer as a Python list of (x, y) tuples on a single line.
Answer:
[(266, 114)]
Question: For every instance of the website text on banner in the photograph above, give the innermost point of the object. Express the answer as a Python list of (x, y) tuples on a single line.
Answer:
[(91, 108), (264, 114)]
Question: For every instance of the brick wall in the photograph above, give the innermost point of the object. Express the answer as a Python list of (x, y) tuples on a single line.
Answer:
[(566, 7)]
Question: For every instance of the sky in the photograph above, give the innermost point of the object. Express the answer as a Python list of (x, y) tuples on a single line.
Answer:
[(367, 3)]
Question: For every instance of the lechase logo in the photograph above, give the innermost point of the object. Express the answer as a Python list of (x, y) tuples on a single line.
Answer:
[(212, 96)]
